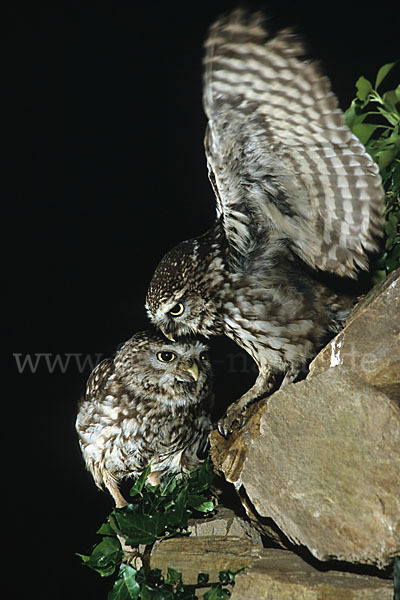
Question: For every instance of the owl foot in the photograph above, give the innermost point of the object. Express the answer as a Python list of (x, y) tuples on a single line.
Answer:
[(233, 420), (154, 478), (112, 487), (235, 417)]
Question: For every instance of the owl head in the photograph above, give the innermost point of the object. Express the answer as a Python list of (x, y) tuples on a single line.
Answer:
[(152, 364), (184, 295)]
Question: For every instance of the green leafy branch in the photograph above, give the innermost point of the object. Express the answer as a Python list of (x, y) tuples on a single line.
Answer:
[(374, 117), (156, 513), (139, 585)]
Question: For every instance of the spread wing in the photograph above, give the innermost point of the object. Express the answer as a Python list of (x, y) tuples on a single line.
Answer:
[(280, 156)]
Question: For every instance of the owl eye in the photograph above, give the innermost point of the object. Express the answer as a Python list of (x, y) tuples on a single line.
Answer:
[(166, 357), (177, 310), (204, 356)]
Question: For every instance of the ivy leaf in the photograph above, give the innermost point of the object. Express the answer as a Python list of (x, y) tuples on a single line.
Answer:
[(173, 576), (129, 575), (168, 486), (394, 261), (105, 556), (119, 591), (228, 576), (202, 478), (138, 486), (194, 500), (383, 71), (204, 507), (364, 87), (163, 593), (186, 592), (140, 529), (154, 576), (126, 587), (105, 529), (179, 515), (216, 593), (202, 578)]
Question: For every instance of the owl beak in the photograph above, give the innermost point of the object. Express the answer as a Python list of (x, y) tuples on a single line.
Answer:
[(193, 369), (169, 336)]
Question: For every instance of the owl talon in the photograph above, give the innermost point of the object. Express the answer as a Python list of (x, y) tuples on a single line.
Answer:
[(232, 421), (222, 430)]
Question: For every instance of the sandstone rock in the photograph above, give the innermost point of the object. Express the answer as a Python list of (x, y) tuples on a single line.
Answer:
[(208, 554), (281, 575), (270, 574), (225, 523), (369, 345), (322, 459)]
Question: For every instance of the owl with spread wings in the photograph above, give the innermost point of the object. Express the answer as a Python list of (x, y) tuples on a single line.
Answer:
[(297, 198)]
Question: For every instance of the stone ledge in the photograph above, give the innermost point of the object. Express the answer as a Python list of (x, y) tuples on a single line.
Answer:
[(224, 523), (271, 574)]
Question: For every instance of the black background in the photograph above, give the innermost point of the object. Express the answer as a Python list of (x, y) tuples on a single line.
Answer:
[(105, 172)]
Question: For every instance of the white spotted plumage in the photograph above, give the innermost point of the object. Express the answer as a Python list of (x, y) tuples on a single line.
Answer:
[(139, 411)]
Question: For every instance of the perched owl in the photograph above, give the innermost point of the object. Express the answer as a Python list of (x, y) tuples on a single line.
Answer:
[(297, 195), (150, 404)]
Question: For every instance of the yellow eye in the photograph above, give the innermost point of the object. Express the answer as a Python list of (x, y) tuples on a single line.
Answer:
[(177, 310), (166, 356)]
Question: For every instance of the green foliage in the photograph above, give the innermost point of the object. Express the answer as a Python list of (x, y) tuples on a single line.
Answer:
[(375, 119), (162, 511), (139, 585), (105, 556), (156, 513)]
